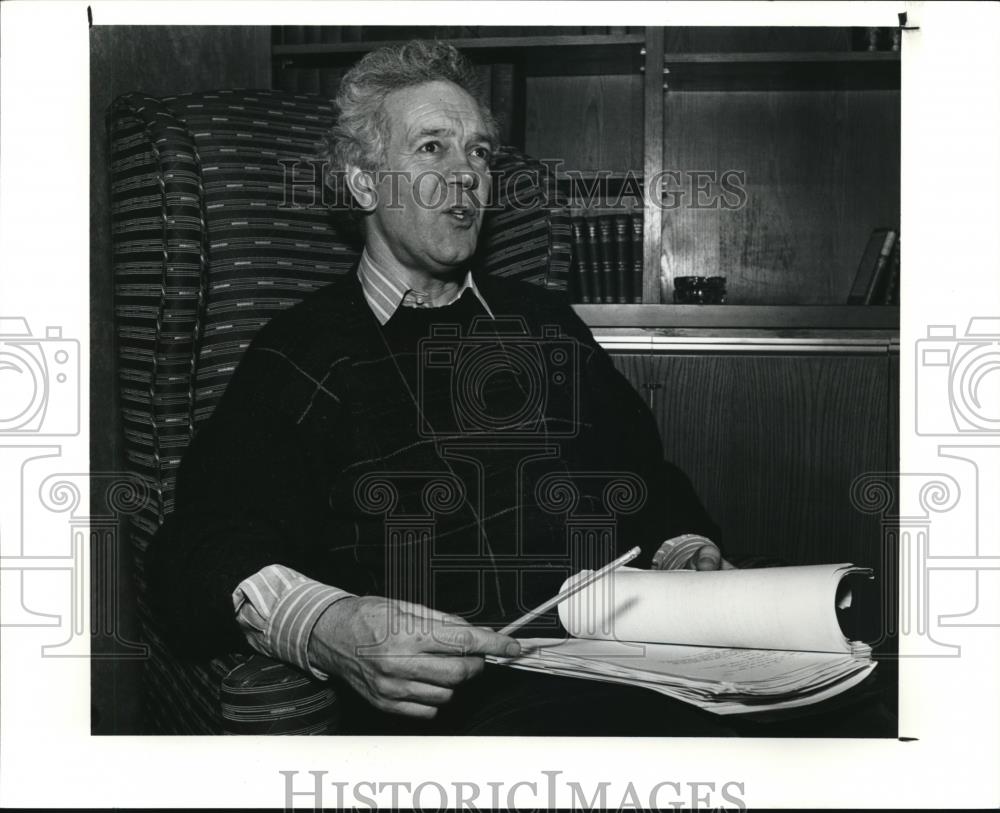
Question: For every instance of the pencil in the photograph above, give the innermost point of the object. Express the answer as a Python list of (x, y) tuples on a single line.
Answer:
[(531, 615)]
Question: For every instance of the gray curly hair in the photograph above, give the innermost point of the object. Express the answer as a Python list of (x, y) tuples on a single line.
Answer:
[(360, 135)]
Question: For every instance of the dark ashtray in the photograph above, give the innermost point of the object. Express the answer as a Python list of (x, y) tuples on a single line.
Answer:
[(700, 290)]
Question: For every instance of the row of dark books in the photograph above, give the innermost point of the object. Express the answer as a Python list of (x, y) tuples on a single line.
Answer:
[(877, 279), (607, 259), (316, 34)]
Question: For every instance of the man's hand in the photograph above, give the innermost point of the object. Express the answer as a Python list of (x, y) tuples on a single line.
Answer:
[(403, 658), (709, 558)]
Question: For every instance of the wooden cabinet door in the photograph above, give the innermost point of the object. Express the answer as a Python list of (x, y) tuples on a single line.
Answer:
[(772, 444)]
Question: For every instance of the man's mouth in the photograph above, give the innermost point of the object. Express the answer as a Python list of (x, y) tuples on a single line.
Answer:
[(461, 214)]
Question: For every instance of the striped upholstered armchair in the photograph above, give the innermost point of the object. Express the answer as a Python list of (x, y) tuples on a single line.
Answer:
[(210, 240)]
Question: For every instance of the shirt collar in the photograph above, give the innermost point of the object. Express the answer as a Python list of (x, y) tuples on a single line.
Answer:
[(386, 293)]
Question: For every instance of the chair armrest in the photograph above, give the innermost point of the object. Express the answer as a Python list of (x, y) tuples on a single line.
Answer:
[(265, 696)]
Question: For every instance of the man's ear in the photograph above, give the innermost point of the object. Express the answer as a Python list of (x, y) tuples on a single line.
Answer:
[(361, 183)]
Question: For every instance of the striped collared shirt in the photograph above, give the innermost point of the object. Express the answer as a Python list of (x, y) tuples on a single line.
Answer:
[(385, 292), (277, 607)]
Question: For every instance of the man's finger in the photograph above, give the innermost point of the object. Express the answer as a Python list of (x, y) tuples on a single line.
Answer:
[(406, 708), (469, 640), (438, 669), (415, 691), (708, 558)]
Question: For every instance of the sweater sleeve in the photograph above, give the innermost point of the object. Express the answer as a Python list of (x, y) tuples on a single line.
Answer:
[(247, 498)]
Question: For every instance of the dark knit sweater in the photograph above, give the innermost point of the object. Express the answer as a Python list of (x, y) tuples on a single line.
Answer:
[(471, 470)]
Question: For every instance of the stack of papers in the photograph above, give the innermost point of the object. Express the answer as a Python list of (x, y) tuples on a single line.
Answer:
[(721, 680), (729, 641)]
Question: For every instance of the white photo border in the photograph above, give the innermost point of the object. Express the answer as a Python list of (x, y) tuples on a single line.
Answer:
[(949, 708)]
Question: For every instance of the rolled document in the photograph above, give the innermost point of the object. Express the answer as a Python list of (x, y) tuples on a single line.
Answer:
[(791, 608)]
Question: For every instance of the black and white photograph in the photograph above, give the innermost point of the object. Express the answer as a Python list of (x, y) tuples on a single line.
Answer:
[(409, 341), (458, 384)]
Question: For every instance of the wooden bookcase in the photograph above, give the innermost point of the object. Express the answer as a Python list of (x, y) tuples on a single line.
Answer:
[(774, 402), (812, 123)]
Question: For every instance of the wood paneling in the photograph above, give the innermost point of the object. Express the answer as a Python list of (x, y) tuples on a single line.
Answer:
[(772, 444), (821, 171), (653, 112), (766, 317), (892, 455), (686, 39), (589, 122)]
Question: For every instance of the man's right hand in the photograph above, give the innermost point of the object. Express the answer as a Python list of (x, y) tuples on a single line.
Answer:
[(403, 658)]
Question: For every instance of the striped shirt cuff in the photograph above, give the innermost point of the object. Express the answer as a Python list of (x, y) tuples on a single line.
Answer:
[(277, 609)]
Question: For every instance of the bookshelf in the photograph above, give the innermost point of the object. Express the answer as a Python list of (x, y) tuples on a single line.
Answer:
[(728, 317), (539, 55), (811, 121), (774, 402)]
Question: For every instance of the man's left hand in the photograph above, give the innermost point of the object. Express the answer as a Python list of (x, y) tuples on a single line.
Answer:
[(709, 558)]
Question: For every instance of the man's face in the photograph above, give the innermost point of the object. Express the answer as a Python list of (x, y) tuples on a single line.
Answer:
[(429, 206)]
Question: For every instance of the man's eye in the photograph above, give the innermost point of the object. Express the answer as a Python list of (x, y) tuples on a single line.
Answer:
[(430, 147), (481, 153)]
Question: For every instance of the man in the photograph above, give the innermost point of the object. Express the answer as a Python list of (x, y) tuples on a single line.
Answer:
[(345, 413)]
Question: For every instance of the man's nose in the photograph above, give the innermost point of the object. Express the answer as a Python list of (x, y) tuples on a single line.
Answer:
[(465, 179)]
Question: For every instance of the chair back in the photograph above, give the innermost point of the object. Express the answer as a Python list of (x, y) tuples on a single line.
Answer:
[(220, 219)]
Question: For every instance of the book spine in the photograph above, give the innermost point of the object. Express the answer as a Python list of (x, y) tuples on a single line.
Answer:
[(581, 271), (866, 268), (878, 280), (637, 258), (623, 266), (890, 296), (605, 228), (594, 262)]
